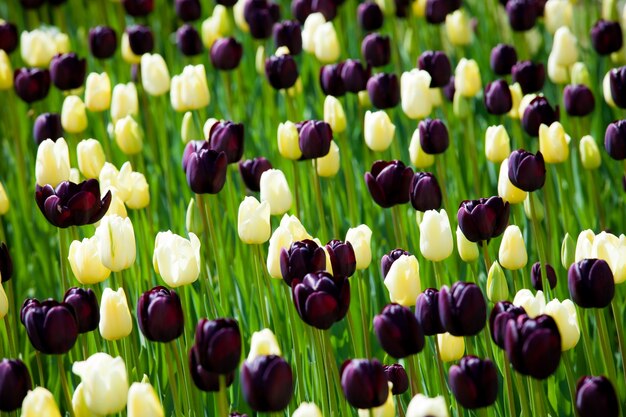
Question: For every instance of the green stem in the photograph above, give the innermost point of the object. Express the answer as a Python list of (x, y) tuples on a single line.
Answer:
[(222, 401), (571, 382), (64, 386), (416, 377), (440, 373), (486, 257), (172, 382), (361, 284), (319, 202), (261, 290), (510, 400), (620, 334), (7, 324), (39, 368), (438, 274), (63, 259), (604, 341), (540, 248)]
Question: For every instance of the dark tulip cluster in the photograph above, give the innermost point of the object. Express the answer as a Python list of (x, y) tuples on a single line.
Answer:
[(31, 84), (321, 299), (218, 345), (205, 168), (342, 258), (427, 312), (606, 37), (434, 138), (437, 64), (529, 75), (538, 112), (389, 183), (425, 193), (595, 396), (86, 310), (251, 171), (376, 50), (591, 283), (6, 263), (502, 312), (364, 383), (483, 219), (288, 33), (138, 8), (396, 374), (188, 10), (533, 346), (579, 100), (226, 54), (261, 15), (303, 257), (615, 140), (203, 379), (160, 315), (498, 98), (15, 383), (462, 309), (355, 75), (8, 37), (522, 14), (536, 276), (188, 40), (474, 382), (314, 138), (227, 137), (369, 16), (388, 259), (102, 42), (71, 204), (502, 59), (51, 326), (331, 81), (526, 170), (398, 331), (47, 126), (267, 383), (281, 71), (68, 71), (140, 39)]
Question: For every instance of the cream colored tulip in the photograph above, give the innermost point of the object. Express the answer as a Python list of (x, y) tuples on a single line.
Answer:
[(91, 158), (506, 189), (6, 71), (512, 253), (328, 166), (557, 13), (584, 245), (516, 95), (497, 144), (117, 206), (104, 382), (176, 259), (53, 162), (423, 406), (98, 92), (116, 243), (85, 262), (378, 130), (143, 401), (5, 203), (289, 141), (140, 195), (38, 403), (313, 22), (467, 78), (360, 238), (459, 28), (74, 175), (468, 251), (39, 46), (553, 143), (419, 158), (564, 314), (534, 305), (540, 211), (415, 93), (436, 242), (80, 405), (120, 180), (451, 348), (403, 281), (558, 74), (327, 49), (612, 249), (73, 115), (155, 77), (124, 101), (253, 221), (115, 319), (280, 239), (240, 20), (293, 225), (334, 114), (189, 90), (275, 190), (263, 343), (307, 410), (589, 153), (128, 135), (564, 47)]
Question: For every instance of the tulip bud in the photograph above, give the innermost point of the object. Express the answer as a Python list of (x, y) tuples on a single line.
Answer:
[(533, 305), (502, 59), (606, 37), (53, 162), (4, 201), (467, 78), (8, 34), (376, 49), (254, 221), (263, 343), (288, 141), (425, 193), (267, 383), (104, 382), (522, 14), (557, 13), (509, 192), (124, 101), (326, 43), (578, 100), (615, 140), (226, 54), (451, 348), (102, 42), (414, 89), (116, 243), (437, 64), (155, 76), (553, 144), (606, 90), (188, 40), (474, 382), (42, 318), (564, 47), (591, 283), (328, 166), (98, 92), (398, 377), (483, 219), (512, 253), (143, 401), (128, 135), (189, 90), (281, 71), (398, 331), (15, 384), (369, 16), (459, 28), (378, 130), (301, 258), (529, 75), (462, 309), (498, 98), (85, 306), (115, 319), (389, 182), (307, 410), (516, 95), (403, 281), (536, 276), (422, 406), (160, 315), (558, 74), (334, 114), (539, 211), (589, 153), (596, 396), (47, 126), (436, 242), (330, 80), (468, 251), (418, 156), (188, 10), (73, 116), (38, 46), (360, 238), (364, 383), (497, 144), (40, 402), (176, 259), (564, 314), (275, 190), (85, 262), (497, 287)]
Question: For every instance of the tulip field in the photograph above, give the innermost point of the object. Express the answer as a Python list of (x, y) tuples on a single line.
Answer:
[(312, 208)]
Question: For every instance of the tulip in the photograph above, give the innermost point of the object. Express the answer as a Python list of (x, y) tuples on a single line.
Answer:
[(4, 201), (39, 402), (15, 383), (591, 283), (564, 47), (364, 383), (143, 401), (330, 80), (137, 8), (289, 34), (8, 36), (226, 54), (204, 379), (459, 28), (6, 71), (188, 10), (253, 221), (290, 230), (43, 321), (403, 280), (188, 40), (263, 343), (205, 169), (31, 84), (275, 190), (427, 312), (606, 37), (611, 249), (533, 305), (433, 136), (474, 382), (267, 383), (533, 346), (617, 84), (502, 59), (595, 395), (437, 10), (462, 309), (414, 87), (155, 76), (102, 42), (341, 257), (124, 101), (177, 259), (522, 15), (388, 259), (128, 135), (498, 98), (307, 410), (424, 191), (557, 13), (436, 242), (73, 116), (509, 192), (467, 78), (85, 262), (85, 306), (189, 90), (354, 75), (140, 40), (536, 276), (376, 50), (218, 344), (578, 100), (437, 64), (527, 171), (516, 94), (314, 139), (451, 348), (39, 46), (327, 47), (483, 219), (384, 90), (261, 15), (115, 319), (389, 182), (98, 92), (468, 250), (501, 313), (615, 140), (227, 137), (68, 71), (121, 181), (378, 130), (288, 141), (116, 239), (553, 143), (160, 315), (398, 331), (397, 376), (512, 254), (369, 16), (497, 144), (251, 171), (47, 126), (497, 287), (321, 299), (530, 76), (539, 112), (589, 153), (360, 238), (104, 383), (564, 314), (312, 22), (423, 406), (281, 71), (334, 114)]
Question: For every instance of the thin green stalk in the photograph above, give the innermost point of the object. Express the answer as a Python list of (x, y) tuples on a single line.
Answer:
[(39, 368), (319, 202), (540, 248), (222, 401), (510, 400), (64, 386), (569, 374), (63, 259), (10, 336), (604, 342), (363, 299), (261, 290), (440, 373), (416, 377), (620, 334), (486, 258), (296, 188), (438, 274), (177, 353), (172, 382)]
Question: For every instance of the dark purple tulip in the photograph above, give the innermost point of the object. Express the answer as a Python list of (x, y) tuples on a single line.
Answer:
[(370, 16), (535, 276), (301, 9), (31, 4), (474, 382), (398, 331), (527, 171), (188, 40), (51, 326), (522, 14), (437, 10), (8, 37), (424, 192), (303, 257), (498, 99), (251, 171), (389, 183), (327, 8), (314, 138), (227, 137), (384, 90), (502, 312), (85, 305), (206, 171), (533, 346), (140, 39), (192, 147), (579, 100), (330, 80), (617, 78), (376, 50), (6, 263), (434, 138), (342, 258), (138, 8), (14, 384), (226, 54), (160, 315), (502, 59), (102, 42), (261, 16), (606, 37), (483, 219), (205, 380), (615, 140), (267, 383), (462, 309), (188, 10), (281, 71), (364, 383), (595, 396), (449, 90), (31, 84), (218, 345), (427, 312), (530, 75), (68, 71), (388, 259), (355, 75), (398, 377), (289, 34), (402, 7), (539, 112), (591, 283), (47, 126), (72, 204), (321, 299), (437, 64)]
